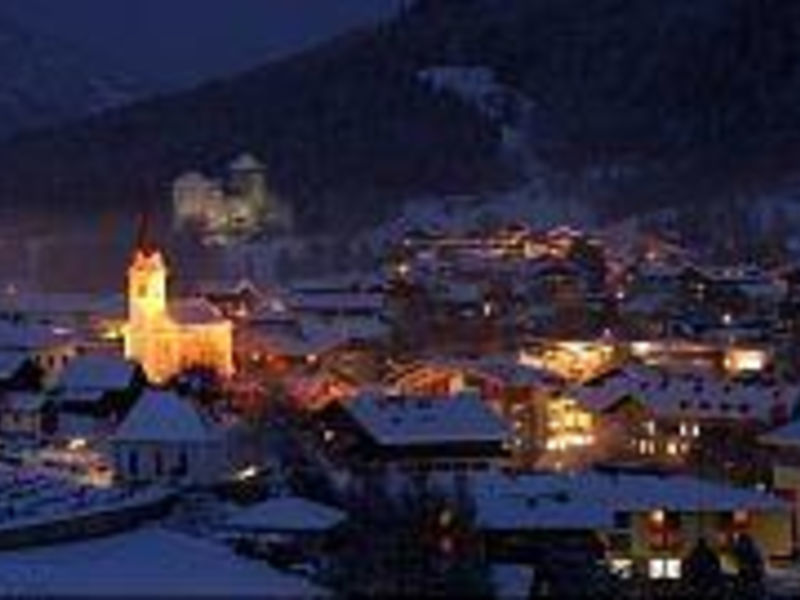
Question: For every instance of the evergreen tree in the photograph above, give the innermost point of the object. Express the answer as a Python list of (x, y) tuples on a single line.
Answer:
[(750, 563), (702, 572)]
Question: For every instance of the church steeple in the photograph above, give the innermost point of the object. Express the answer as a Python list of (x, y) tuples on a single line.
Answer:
[(143, 244), (147, 278)]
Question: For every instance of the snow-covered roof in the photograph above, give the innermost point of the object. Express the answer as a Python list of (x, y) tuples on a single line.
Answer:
[(97, 372), (53, 304), (29, 338), (24, 401), (400, 420), (337, 301), (160, 416), (246, 162), (511, 581), (697, 395), (11, 362), (589, 500), (150, 562), (194, 311), (287, 514), (505, 370), (786, 435)]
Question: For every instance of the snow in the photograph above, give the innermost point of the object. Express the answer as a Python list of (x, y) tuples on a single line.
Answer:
[(194, 311), (95, 372), (285, 514), (589, 500), (164, 417), (696, 395), (336, 301), (24, 401), (512, 581), (27, 337), (10, 363), (149, 562), (416, 420), (787, 435)]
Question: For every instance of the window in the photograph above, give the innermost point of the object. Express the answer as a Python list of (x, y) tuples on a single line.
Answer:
[(623, 567), (664, 568), (183, 463), (133, 463), (622, 520)]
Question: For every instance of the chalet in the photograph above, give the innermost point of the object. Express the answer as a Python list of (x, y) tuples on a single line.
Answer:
[(93, 393), (26, 416), (656, 416), (377, 434), (165, 438), (520, 394), (649, 522), (47, 348)]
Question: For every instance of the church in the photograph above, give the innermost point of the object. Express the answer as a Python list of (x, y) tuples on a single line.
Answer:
[(167, 337)]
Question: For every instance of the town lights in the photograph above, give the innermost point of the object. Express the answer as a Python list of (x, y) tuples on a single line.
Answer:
[(658, 517), (76, 444), (247, 473), (741, 360)]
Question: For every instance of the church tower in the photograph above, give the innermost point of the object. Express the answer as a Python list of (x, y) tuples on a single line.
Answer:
[(147, 282)]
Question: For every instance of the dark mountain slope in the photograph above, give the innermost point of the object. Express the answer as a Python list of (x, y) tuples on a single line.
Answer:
[(696, 98), (344, 125), (43, 81)]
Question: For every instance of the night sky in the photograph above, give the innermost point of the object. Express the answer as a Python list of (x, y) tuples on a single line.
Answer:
[(177, 42)]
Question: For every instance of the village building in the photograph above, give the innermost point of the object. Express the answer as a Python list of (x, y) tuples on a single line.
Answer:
[(26, 417), (166, 438), (649, 522), (287, 529), (47, 349), (375, 435), (167, 337), (654, 416), (525, 397), (93, 394)]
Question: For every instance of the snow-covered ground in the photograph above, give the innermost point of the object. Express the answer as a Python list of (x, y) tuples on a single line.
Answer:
[(30, 497), (150, 562)]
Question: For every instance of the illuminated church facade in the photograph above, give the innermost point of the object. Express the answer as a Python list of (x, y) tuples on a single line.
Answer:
[(167, 337)]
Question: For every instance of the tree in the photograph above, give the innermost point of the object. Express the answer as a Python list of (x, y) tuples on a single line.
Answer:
[(702, 572), (750, 563), (573, 567)]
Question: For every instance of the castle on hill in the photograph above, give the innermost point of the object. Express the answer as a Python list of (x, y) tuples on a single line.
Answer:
[(168, 336), (239, 205)]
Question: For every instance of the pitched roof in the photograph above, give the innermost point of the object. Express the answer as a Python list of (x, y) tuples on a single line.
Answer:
[(687, 395), (285, 514), (24, 401), (588, 500), (97, 372), (194, 311), (787, 435), (160, 416), (11, 362), (400, 421), (28, 337)]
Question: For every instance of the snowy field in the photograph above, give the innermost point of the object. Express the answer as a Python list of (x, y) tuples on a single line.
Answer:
[(30, 497), (150, 562)]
